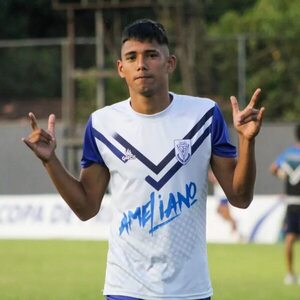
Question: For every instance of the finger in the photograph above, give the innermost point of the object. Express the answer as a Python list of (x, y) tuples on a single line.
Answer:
[(33, 121), (41, 139), (248, 112), (45, 135), (51, 125), (256, 115), (40, 135), (248, 119), (261, 114), (254, 98), (28, 143), (234, 105)]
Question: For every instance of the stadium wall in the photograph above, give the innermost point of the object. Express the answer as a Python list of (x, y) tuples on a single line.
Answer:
[(22, 173)]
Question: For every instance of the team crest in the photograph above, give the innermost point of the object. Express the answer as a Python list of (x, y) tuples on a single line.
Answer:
[(183, 150), (128, 155)]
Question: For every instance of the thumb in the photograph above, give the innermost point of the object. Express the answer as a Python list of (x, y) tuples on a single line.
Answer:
[(51, 125)]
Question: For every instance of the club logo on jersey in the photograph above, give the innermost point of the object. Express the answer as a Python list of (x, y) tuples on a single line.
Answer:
[(183, 150), (128, 155)]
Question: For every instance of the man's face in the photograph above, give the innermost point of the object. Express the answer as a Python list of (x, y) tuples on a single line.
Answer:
[(145, 66)]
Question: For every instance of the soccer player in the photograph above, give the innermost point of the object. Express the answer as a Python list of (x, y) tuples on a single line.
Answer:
[(223, 207), (155, 149), (287, 167)]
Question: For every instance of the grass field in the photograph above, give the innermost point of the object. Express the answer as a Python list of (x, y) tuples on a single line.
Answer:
[(73, 270)]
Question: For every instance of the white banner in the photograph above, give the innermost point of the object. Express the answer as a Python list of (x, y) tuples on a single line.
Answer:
[(261, 222), (48, 217)]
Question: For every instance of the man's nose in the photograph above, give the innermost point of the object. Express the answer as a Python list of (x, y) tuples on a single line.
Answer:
[(141, 63)]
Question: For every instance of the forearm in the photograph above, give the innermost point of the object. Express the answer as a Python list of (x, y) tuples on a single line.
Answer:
[(244, 173), (70, 188), (83, 195)]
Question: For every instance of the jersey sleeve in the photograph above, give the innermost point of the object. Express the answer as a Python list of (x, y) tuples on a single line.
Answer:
[(91, 152), (281, 159), (221, 144)]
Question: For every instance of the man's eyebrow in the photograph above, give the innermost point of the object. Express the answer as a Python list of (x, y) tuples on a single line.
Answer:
[(146, 51), (130, 53), (152, 50)]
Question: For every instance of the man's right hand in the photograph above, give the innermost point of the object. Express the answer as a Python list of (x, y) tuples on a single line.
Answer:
[(41, 142)]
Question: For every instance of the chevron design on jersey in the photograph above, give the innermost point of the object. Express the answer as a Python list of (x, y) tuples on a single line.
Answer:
[(167, 159), (159, 184)]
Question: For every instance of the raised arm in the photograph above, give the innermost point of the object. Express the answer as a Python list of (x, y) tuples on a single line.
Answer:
[(83, 195), (237, 177), (277, 170)]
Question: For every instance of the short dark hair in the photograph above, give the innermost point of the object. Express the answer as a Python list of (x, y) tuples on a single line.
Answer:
[(297, 132), (145, 30)]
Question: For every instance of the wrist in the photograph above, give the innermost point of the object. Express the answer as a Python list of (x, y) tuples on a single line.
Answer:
[(49, 161), (246, 139), (246, 144)]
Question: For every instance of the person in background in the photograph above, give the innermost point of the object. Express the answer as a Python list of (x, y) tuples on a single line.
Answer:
[(223, 207), (287, 167), (155, 149)]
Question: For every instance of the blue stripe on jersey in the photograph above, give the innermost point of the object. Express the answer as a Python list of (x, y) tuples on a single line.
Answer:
[(198, 126), (132, 298), (109, 145), (158, 168), (141, 157), (159, 184), (121, 298), (220, 146)]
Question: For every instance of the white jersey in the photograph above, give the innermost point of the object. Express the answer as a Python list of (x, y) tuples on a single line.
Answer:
[(158, 165)]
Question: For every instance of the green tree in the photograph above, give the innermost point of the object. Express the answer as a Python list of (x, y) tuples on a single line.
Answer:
[(30, 19), (272, 28)]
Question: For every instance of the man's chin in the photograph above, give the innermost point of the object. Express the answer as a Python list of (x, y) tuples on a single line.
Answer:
[(147, 92)]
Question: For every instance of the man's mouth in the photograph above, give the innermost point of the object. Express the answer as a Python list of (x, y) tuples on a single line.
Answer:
[(142, 77)]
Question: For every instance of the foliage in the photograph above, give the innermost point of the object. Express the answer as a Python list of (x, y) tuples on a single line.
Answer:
[(86, 99), (272, 28), (115, 91), (30, 72), (30, 19), (204, 36)]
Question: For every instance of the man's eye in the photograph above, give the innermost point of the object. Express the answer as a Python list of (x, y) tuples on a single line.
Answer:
[(130, 57), (152, 55)]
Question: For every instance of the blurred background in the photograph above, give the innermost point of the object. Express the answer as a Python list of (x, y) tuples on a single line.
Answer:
[(58, 56)]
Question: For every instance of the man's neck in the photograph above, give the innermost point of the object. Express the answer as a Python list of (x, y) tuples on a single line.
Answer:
[(150, 105)]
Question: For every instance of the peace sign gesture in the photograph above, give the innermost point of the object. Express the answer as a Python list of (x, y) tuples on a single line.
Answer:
[(41, 142), (248, 121)]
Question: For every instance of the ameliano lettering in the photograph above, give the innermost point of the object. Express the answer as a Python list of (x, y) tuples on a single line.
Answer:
[(159, 209)]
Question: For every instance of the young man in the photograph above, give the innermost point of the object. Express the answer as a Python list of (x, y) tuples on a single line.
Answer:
[(155, 149), (287, 167)]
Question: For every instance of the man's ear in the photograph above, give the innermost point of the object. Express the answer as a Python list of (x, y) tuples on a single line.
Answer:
[(120, 68), (172, 62)]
